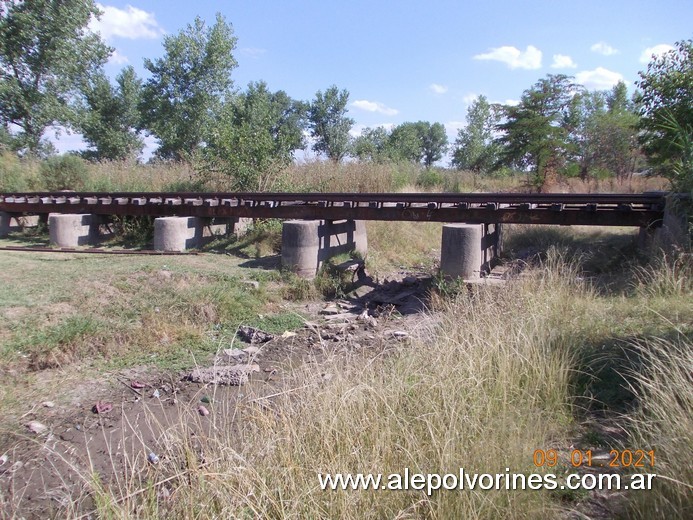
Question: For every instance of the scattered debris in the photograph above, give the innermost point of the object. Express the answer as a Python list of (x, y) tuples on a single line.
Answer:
[(36, 427), (156, 394), (202, 410), (234, 375), (252, 284), (48, 404), (4, 459), (101, 407), (137, 384), (206, 399), (288, 334), (253, 335), (153, 458)]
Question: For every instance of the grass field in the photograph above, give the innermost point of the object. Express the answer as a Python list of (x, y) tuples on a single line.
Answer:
[(591, 338)]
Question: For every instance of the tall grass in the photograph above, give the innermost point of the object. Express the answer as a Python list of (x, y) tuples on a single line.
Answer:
[(664, 423), (480, 389)]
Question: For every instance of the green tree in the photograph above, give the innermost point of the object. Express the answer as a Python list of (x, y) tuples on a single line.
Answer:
[(110, 116), (372, 145), (255, 138), (665, 103), (474, 148), (535, 133), (46, 55), (329, 124), (434, 142), (405, 142), (188, 87)]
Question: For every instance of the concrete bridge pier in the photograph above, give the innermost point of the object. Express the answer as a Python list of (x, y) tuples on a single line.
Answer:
[(469, 250), (307, 244), (72, 230), (181, 233)]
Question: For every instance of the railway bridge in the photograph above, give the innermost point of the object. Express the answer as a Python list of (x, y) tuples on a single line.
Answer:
[(320, 225)]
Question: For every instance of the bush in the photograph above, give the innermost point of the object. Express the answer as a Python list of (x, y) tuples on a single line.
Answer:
[(65, 172), (15, 174)]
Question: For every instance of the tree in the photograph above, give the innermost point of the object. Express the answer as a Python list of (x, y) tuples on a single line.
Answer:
[(110, 116), (474, 148), (372, 145), (665, 103), (534, 135), (46, 54), (329, 125), (434, 142), (418, 142), (255, 138), (188, 86)]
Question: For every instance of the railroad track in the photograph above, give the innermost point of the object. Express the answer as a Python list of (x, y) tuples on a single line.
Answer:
[(642, 210)]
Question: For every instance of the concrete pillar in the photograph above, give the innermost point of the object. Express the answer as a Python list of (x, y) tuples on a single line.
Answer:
[(461, 252), (177, 233), (301, 246), (306, 244), (4, 224), (70, 230)]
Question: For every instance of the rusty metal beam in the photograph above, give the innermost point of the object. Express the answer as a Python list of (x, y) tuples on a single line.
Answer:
[(640, 210)]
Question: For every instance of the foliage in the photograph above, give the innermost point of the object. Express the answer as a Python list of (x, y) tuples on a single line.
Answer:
[(110, 116), (372, 145), (329, 124), (605, 133), (418, 142), (255, 137), (46, 54), (665, 102), (535, 132), (187, 87), (474, 148), (64, 172)]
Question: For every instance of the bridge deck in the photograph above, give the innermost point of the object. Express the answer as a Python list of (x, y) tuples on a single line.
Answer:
[(640, 210)]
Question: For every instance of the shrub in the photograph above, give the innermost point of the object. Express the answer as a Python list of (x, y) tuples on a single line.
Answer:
[(64, 172)]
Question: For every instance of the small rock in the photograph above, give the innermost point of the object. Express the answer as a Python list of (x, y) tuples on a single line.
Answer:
[(253, 335), (330, 310), (203, 411), (36, 427), (4, 459), (48, 404), (252, 284), (153, 458), (233, 354), (205, 399)]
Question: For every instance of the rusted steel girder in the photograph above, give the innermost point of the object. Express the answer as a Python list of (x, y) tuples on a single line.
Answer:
[(640, 210)]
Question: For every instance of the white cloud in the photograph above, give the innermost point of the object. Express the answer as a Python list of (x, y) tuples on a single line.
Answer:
[(657, 50), (604, 48), (438, 89), (513, 57), (599, 78), (469, 98), (131, 23), (374, 106), (118, 59), (561, 61)]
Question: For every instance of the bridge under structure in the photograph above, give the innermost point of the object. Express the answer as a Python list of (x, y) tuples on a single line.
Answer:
[(472, 235)]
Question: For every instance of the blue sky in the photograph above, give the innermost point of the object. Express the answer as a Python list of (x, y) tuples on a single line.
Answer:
[(411, 60)]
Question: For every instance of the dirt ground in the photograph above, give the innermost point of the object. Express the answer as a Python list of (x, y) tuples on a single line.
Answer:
[(113, 426)]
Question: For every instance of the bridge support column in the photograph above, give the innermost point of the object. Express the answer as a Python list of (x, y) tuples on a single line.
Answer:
[(177, 233), (468, 250), (306, 244), (4, 224), (72, 230)]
